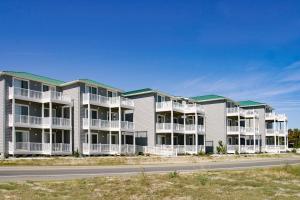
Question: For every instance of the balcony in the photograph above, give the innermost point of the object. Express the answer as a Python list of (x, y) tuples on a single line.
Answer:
[(39, 122), (236, 130), (181, 149), (250, 113), (273, 132), (107, 101), (179, 128), (274, 148), (235, 111), (176, 106), (100, 124), (243, 148), (107, 149), (39, 148), (38, 96)]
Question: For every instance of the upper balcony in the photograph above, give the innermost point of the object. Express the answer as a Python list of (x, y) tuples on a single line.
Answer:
[(235, 111), (107, 101), (114, 125), (179, 128), (275, 131), (275, 117), (234, 130), (38, 96), (39, 122), (179, 107)]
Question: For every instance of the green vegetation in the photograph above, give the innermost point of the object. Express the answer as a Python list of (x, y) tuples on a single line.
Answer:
[(221, 149), (294, 137), (273, 183)]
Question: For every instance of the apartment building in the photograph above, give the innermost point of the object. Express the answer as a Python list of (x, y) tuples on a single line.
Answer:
[(103, 120), (35, 115), (170, 122), (45, 116), (273, 127)]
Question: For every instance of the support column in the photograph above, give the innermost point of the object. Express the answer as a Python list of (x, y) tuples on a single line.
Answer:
[(89, 128), (172, 125), (184, 135), (286, 135), (71, 130), (134, 150), (120, 133), (254, 137), (43, 130), (13, 127), (196, 128), (109, 119), (239, 131), (50, 130)]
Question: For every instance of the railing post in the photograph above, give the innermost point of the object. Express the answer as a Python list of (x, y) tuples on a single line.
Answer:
[(172, 125), (120, 118), (13, 127)]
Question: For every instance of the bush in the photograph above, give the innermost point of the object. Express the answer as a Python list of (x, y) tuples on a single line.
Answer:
[(76, 153), (221, 149), (201, 153), (202, 179), (173, 174), (294, 150)]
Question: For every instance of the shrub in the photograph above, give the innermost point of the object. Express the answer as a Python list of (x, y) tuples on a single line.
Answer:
[(221, 149), (202, 179), (76, 153), (173, 174)]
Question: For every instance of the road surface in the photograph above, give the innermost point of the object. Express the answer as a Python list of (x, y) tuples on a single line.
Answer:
[(72, 172)]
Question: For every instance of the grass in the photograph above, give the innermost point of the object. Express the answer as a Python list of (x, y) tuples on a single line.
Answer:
[(136, 160), (272, 183)]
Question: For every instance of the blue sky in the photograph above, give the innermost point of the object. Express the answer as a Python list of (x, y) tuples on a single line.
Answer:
[(239, 49)]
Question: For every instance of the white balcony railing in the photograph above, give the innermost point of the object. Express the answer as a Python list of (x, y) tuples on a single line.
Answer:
[(185, 108), (107, 101), (163, 126), (90, 149), (127, 125), (40, 122), (47, 96), (178, 127), (38, 148)]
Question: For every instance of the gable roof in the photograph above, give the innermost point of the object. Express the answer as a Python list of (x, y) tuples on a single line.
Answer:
[(210, 97), (138, 92), (92, 82), (145, 91), (33, 77), (249, 103)]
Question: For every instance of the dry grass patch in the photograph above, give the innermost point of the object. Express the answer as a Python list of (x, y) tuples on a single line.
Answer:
[(273, 183)]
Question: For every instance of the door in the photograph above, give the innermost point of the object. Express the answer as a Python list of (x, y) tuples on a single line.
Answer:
[(190, 140), (161, 140), (175, 140), (114, 139), (21, 113), (95, 138), (160, 119)]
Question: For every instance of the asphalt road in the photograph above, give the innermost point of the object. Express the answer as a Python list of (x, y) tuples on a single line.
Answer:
[(61, 173)]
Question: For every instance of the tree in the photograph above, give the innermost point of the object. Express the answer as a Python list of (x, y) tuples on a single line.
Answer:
[(294, 137)]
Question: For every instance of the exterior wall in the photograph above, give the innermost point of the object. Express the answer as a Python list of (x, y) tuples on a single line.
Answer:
[(74, 93), (262, 122), (3, 97), (215, 125), (144, 116)]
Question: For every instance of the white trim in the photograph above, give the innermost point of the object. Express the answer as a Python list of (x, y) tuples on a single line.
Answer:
[(88, 85), (25, 105), (91, 109), (23, 131), (21, 79)]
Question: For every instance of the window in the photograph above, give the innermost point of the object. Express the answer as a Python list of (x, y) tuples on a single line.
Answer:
[(114, 116), (22, 136), (160, 98), (160, 119), (47, 88), (111, 94), (94, 114), (91, 90), (21, 84), (21, 109), (47, 114)]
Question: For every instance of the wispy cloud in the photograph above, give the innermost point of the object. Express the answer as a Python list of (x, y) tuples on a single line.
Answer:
[(255, 83)]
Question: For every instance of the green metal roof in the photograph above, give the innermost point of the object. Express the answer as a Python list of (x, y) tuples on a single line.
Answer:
[(249, 103), (92, 82), (137, 92), (210, 97), (33, 77)]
